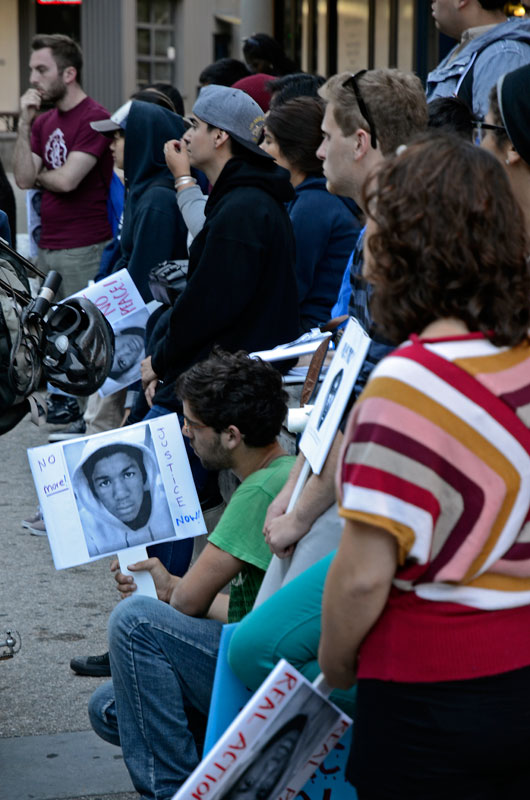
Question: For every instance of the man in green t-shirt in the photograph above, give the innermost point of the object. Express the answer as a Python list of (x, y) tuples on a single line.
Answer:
[(163, 654)]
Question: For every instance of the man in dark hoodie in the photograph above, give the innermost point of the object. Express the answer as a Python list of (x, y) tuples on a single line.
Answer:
[(153, 229), (241, 291)]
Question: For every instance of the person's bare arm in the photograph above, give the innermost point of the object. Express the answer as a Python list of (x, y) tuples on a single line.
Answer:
[(69, 176), (195, 593), (26, 164), (283, 532), (355, 594)]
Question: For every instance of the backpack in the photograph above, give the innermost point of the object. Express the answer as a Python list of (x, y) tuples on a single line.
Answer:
[(20, 340)]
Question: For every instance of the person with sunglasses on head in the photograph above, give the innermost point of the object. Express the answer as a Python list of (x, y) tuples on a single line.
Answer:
[(505, 133), (163, 651), (367, 116)]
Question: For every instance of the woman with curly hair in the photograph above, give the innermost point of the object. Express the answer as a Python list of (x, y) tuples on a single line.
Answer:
[(426, 606)]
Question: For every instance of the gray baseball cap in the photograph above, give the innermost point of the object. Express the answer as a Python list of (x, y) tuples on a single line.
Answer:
[(117, 122), (233, 111)]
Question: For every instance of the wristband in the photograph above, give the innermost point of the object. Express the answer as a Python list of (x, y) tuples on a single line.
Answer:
[(184, 180)]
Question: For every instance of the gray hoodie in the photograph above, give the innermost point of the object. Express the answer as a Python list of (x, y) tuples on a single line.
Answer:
[(121, 505)]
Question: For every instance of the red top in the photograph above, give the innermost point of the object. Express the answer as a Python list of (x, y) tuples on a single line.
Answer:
[(437, 453), (415, 640), (78, 218)]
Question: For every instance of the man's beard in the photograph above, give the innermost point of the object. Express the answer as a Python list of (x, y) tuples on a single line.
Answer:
[(216, 458), (55, 93)]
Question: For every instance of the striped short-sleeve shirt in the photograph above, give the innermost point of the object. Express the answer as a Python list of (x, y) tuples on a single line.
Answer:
[(437, 452)]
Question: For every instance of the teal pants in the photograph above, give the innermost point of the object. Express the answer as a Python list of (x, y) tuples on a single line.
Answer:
[(287, 625)]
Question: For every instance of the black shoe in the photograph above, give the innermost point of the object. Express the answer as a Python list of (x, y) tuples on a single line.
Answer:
[(61, 410), (75, 429), (95, 666)]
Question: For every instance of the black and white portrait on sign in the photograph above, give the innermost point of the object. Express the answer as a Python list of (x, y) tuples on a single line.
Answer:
[(128, 353), (118, 491), (277, 757)]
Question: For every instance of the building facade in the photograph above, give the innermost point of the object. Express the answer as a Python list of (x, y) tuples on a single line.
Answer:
[(129, 43)]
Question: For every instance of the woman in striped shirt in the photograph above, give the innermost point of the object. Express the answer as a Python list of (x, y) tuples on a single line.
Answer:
[(427, 605)]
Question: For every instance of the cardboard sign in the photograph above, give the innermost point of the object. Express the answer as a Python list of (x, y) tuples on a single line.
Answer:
[(115, 491), (333, 395), (121, 303), (273, 746)]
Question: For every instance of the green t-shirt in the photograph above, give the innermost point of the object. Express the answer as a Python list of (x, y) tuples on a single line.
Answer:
[(240, 532)]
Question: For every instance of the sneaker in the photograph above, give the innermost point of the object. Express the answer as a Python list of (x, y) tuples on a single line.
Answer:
[(77, 428), (95, 666), (35, 524), (61, 410)]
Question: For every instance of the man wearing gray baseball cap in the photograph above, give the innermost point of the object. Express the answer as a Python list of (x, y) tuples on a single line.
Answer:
[(241, 291)]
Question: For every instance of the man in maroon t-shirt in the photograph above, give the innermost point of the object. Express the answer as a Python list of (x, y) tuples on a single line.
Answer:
[(60, 153)]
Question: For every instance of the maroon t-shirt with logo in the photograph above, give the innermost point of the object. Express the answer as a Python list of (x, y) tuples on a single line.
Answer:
[(78, 218)]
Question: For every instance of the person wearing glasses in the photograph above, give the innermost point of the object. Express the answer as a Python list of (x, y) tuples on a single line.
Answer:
[(489, 46), (163, 654), (425, 608), (368, 115), (505, 133)]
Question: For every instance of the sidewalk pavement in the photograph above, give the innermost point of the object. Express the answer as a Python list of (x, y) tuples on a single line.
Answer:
[(47, 749)]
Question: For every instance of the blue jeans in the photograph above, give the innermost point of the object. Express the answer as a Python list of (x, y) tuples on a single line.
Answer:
[(163, 664)]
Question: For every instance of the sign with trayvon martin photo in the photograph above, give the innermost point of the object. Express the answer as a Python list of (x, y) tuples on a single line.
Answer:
[(333, 395), (122, 305), (116, 492), (273, 746)]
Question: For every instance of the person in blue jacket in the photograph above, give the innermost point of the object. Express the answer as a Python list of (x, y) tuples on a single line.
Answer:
[(326, 226)]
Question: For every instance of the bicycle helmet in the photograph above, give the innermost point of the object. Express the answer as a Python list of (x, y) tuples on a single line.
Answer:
[(78, 347)]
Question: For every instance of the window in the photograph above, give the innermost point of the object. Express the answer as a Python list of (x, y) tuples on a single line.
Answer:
[(155, 37)]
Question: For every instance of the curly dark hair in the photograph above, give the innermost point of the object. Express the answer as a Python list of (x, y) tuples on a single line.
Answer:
[(296, 126), (234, 389), (449, 242)]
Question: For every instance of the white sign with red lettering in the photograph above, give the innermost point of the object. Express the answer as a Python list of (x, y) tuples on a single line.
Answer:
[(274, 745), (121, 303)]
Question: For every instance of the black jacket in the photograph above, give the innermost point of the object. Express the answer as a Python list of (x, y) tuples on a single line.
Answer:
[(153, 228), (241, 291)]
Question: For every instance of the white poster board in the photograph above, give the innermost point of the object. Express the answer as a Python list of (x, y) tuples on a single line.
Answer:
[(273, 746), (305, 345), (121, 303), (115, 491), (333, 395)]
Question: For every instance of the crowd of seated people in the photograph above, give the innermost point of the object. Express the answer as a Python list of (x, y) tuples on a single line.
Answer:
[(402, 572)]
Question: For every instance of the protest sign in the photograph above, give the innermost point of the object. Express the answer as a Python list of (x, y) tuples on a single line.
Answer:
[(333, 395), (120, 302), (115, 491), (273, 746)]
